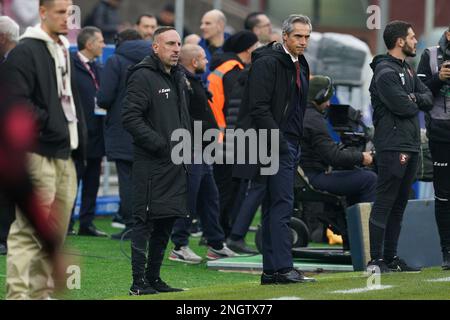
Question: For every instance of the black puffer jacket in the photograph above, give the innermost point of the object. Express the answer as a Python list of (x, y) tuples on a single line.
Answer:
[(319, 151), (154, 107), (395, 114)]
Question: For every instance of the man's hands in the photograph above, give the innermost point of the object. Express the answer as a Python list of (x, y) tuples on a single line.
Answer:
[(444, 73), (367, 159)]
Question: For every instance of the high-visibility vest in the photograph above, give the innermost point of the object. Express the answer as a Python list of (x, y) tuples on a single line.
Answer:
[(215, 80)]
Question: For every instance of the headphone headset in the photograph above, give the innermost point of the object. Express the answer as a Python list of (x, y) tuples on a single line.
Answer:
[(321, 96)]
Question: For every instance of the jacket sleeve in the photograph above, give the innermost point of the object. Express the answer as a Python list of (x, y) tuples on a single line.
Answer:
[(22, 75), (423, 95), (431, 80), (261, 89), (393, 95), (326, 148), (109, 85), (134, 118)]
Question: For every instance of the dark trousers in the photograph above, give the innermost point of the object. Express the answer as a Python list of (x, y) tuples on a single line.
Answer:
[(358, 186), (7, 217), (149, 240), (124, 168), (90, 177), (440, 153), (228, 188), (250, 197), (279, 201), (203, 198), (396, 174)]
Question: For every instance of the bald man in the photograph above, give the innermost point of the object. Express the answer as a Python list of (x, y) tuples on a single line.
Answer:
[(214, 36), (203, 195)]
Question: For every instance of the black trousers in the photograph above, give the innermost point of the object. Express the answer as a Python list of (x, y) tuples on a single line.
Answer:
[(396, 174), (440, 153), (125, 191), (90, 176), (149, 240), (7, 217)]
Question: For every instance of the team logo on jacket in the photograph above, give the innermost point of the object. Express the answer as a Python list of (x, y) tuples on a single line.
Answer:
[(404, 158), (164, 92), (402, 77)]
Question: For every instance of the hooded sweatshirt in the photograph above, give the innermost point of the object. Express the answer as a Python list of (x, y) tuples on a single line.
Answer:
[(438, 119), (393, 90)]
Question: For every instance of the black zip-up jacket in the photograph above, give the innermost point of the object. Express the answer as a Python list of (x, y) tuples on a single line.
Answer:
[(154, 107), (267, 101), (438, 128), (395, 114), (319, 151), (31, 75)]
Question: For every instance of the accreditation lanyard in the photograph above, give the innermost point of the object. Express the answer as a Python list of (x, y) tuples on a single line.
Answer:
[(92, 74)]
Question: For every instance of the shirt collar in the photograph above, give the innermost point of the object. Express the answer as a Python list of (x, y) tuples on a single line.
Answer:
[(294, 59), (83, 58)]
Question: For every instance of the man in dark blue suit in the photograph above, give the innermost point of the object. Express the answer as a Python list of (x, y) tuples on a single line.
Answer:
[(87, 73)]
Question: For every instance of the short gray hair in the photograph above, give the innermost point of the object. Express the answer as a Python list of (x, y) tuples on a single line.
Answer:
[(9, 27), (288, 24)]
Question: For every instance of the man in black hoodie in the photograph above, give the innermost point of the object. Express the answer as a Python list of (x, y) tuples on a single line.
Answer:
[(434, 68), (154, 107), (397, 96), (40, 71), (275, 99)]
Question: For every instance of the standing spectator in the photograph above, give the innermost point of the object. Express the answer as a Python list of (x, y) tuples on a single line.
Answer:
[(435, 69), (397, 96), (259, 24), (130, 50), (9, 36), (166, 18), (40, 72), (87, 74), (155, 106), (275, 99), (105, 16), (203, 193), (146, 25), (226, 69), (214, 36)]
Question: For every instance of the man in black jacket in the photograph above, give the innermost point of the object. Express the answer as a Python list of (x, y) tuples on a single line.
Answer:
[(275, 99), (41, 72), (105, 16), (397, 96), (203, 191), (87, 74), (434, 67), (155, 106), (320, 153)]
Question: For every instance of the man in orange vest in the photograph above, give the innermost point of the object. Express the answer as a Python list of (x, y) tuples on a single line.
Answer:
[(224, 84)]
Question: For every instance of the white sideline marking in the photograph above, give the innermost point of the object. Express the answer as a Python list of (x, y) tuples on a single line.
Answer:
[(286, 298), (361, 290), (439, 280)]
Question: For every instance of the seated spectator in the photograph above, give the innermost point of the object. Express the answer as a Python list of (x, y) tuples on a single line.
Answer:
[(320, 153)]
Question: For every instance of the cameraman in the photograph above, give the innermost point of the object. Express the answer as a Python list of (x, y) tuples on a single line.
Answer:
[(434, 69), (320, 153)]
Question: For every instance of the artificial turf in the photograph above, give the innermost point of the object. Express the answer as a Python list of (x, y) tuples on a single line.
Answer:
[(106, 274)]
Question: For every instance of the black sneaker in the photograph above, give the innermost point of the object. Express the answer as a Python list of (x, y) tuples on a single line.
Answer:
[(446, 263), (239, 246), (162, 287), (377, 266), (142, 289), (268, 279), (399, 265)]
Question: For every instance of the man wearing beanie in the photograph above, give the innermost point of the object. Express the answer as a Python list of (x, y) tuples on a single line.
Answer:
[(320, 153), (225, 86)]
